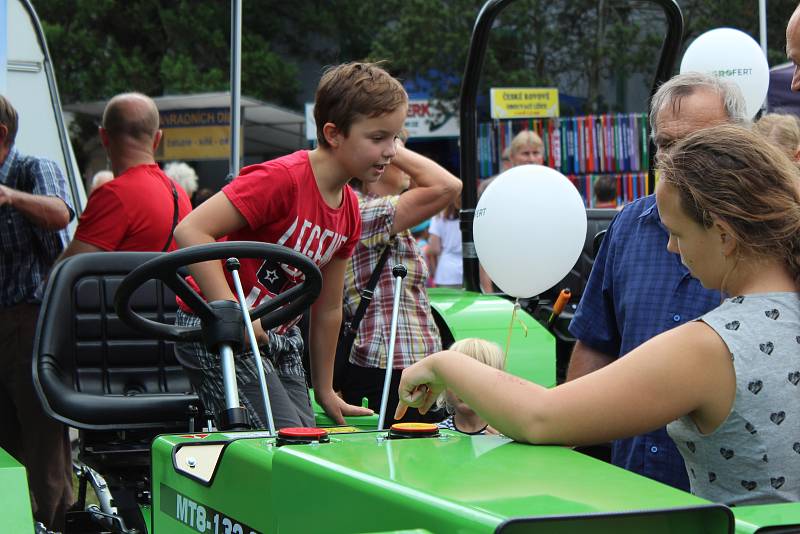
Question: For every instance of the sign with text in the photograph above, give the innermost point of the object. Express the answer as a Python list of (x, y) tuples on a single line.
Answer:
[(523, 102), (424, 120), (195, 134)]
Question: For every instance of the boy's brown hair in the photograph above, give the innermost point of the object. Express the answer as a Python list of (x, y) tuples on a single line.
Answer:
[(352, 90)]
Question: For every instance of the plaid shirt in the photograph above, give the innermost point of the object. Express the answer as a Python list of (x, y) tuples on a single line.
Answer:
[(26, 251), (417, 334), (637, 289)]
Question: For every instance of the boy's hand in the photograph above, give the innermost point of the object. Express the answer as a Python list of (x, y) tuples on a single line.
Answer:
[(336, 408), (261, 336), (419, 388)]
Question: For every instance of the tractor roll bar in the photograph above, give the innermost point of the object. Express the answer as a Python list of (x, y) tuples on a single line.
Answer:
[(468, 113)]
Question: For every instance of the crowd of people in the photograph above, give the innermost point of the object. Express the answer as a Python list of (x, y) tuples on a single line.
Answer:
[(687, 348)]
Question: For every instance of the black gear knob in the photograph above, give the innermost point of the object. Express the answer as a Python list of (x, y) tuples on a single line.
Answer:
[(399, 270), (232, 264)]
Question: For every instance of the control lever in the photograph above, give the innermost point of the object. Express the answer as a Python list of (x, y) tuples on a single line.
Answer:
[(399, 272), (232, 265), (558, 307)]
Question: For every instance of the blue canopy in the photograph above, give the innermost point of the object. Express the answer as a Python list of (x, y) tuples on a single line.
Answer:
[(780, 98)]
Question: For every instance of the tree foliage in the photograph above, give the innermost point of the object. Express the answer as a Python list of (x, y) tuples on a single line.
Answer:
[(101, 47), (703, 15), (573, 44)]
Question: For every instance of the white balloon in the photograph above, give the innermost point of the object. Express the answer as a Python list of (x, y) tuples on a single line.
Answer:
[(529, 229), (733, 55)]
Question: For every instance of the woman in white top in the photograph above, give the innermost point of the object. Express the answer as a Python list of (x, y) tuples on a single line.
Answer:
[(444, 247)]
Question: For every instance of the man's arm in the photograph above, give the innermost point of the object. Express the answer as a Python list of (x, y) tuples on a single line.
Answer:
[(76, 247), (46, 212), (435, 189), (326, 318), (585, 360)]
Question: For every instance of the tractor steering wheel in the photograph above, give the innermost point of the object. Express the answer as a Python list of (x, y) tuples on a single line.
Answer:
[(165, 268)]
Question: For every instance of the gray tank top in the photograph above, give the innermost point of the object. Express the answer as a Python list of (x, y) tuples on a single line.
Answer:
[(754, 455)]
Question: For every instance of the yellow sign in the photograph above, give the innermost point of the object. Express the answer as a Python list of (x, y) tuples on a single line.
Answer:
[(523, 102), (199, 142), (195, 134)]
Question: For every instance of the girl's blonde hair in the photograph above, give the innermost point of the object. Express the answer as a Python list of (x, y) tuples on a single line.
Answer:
[(783, 130), (484, 351)]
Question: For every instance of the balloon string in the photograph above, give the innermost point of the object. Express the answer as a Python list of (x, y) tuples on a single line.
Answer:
[(514, 317)]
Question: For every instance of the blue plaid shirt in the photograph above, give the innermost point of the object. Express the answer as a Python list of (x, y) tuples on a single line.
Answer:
[(26, 251), (637, 289)]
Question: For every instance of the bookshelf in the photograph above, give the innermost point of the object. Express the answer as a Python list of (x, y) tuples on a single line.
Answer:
[(583, 148)]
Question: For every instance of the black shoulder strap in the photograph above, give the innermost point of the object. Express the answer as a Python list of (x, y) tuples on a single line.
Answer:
[(369, 290), (349, 329), (174, 215)]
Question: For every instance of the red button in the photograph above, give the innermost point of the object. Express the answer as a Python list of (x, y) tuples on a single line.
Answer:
[(302, 433)]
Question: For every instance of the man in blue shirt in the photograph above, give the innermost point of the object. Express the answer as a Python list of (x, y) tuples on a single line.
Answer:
[(637, 289), (34, 212)]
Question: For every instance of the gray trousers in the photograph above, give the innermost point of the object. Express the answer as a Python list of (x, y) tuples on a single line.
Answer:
[(285, 377)]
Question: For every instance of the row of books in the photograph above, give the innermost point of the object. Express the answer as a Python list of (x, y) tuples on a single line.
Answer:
[(608, 143), (630, 186)]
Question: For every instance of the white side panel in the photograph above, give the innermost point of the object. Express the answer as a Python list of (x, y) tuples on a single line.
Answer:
[(28, 88)]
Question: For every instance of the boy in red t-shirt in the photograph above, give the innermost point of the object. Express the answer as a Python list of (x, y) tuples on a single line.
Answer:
[(301, 201)]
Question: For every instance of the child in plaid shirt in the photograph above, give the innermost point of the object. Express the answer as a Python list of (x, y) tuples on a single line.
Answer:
[(386, 219)]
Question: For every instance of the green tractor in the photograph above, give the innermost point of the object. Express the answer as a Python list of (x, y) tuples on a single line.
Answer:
[(104, 364)]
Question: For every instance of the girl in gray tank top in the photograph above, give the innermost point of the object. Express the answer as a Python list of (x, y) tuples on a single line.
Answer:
[(754, 455), (727, 384)]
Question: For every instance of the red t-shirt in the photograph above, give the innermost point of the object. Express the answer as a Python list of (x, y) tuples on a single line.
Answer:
[(282, 204), (133, 212)]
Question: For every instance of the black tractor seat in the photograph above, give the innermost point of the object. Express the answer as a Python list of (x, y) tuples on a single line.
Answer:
[(93, 372), (117, 386)]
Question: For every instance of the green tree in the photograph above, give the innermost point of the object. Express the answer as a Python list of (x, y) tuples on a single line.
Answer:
[(574, 44), (100, 48), (703, 15)]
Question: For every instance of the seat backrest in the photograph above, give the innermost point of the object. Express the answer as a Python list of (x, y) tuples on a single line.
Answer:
[(91, 371), (597, 220)]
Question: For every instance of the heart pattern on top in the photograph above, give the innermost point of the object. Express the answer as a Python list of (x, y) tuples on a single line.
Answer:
[(794, 378), (749, 485), (726, 453), (690, 445), (773, 314), (777, 417), (755, 386), (734, 325), (777, 482), (767, 347)]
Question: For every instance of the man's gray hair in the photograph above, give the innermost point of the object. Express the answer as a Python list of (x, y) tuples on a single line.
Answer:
[(183, 174), (673, 90)]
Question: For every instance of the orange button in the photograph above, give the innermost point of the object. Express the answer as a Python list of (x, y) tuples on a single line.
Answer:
[(421, 428)]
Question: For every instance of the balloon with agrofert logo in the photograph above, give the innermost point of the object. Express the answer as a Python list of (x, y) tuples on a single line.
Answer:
[(735, 56), (529, 229)]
